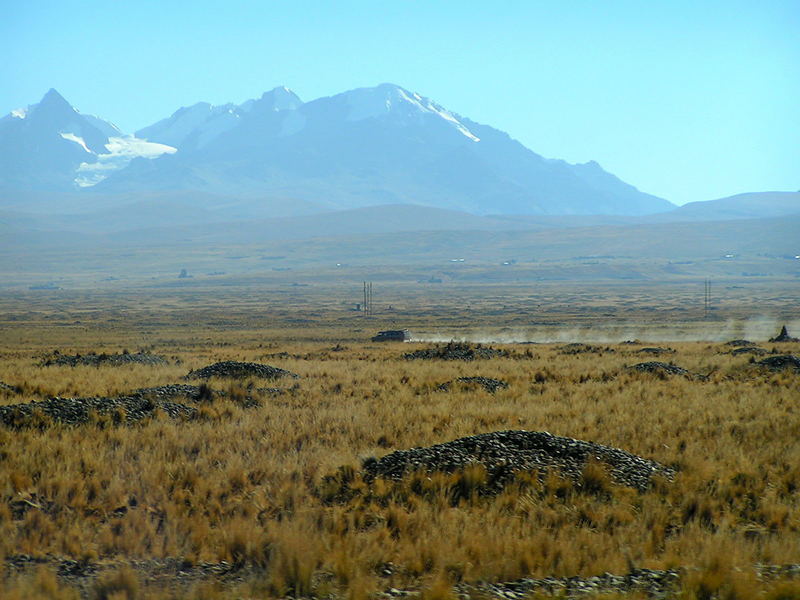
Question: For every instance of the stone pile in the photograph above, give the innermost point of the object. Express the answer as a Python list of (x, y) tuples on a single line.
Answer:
[(455, 351), (656, 350), (487, 383), (783, 361), (653, 583), (503, 453), (740, 343), (749, 350), (93, 359), (239, 370), (78, 411), (195, 393), (659, 368)]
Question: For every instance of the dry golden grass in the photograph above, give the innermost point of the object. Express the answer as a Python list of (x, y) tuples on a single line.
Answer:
[(265, 489)]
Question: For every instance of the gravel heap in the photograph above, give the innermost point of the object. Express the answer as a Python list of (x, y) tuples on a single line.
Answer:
[(783, 361), (81, 574), (739, 343), (654, 583), (455, 351), (77, 411), (92, 359), (239, 370), (194, 393), (656, 350), (749, 350), (659, 367), (490, 385), (784, 336), (503, 453)]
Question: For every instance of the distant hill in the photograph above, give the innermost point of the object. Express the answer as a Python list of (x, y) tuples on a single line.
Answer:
[(741, 206), (740, 249)]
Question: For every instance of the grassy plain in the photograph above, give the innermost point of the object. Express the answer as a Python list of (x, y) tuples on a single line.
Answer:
[(260, 488)]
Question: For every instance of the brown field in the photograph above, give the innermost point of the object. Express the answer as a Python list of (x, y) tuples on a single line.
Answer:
[(274, 490)]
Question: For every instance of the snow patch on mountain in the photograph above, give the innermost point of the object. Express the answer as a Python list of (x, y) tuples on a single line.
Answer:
[(19, 113), (121, 151), (74, 138)]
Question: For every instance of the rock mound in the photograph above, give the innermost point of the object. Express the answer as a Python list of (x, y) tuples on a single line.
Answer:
[(784, 336), (239, 370), (503, 453), (78, 411), (656, 350), (659, 368), (783, 361), (455, 351), (649, 582), (749, 350), (487, 383), (740, 343), (93, 359), (194, 393)]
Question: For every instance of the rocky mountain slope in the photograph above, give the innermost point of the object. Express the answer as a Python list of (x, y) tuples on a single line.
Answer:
[(363, 147)]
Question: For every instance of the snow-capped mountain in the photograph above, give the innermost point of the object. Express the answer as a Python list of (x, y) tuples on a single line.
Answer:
[(365, 147), (52, 146)]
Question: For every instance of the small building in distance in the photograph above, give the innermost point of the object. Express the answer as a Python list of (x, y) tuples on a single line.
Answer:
[(392, 335)]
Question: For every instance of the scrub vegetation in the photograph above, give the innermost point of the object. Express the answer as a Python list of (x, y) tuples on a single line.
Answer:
[(265, 497)]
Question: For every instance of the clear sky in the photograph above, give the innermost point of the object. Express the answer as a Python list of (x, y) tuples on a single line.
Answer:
[(686, 100)]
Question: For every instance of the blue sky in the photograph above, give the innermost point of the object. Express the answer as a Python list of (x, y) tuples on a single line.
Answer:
[(685, 100)]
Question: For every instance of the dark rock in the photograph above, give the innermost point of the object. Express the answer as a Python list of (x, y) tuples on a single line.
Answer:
[(239, 370), (503, 453), (739, 343)]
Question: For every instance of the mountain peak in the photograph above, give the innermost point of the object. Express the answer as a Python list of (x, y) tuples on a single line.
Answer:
[(280, 98), (367, 103), (53, 99)]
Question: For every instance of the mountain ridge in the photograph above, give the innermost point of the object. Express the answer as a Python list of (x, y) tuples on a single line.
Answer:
[(362, 147)]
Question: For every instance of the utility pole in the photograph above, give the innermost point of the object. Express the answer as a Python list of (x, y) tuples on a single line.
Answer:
[(367, 298)]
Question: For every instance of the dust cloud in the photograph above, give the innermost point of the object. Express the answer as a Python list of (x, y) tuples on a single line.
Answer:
[(756, 329)]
